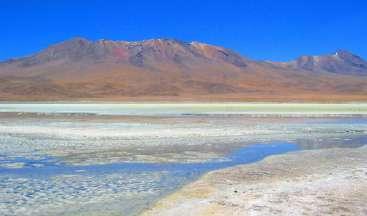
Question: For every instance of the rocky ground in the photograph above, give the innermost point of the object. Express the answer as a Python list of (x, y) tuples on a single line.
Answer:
[(317, 182)]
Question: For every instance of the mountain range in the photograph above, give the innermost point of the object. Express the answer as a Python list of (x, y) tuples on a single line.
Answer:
[(167, 69)]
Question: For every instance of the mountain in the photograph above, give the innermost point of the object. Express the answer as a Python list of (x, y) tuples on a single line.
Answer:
[(342, 62), (166, 69)]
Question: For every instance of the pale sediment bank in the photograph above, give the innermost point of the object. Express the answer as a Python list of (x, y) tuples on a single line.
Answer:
[(317, 182), (189, 109)]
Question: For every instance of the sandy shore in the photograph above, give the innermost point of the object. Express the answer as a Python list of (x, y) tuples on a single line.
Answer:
[(317, 182)]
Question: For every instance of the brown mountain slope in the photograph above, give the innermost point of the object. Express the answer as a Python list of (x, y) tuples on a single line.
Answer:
[(164, 69)]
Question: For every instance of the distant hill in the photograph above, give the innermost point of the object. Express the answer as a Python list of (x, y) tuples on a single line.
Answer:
[(342, 62), (165, 69)]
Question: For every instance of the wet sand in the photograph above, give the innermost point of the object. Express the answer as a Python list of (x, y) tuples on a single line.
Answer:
[(315, 182)]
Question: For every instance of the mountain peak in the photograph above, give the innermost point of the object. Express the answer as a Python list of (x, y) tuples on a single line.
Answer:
[(146, 53), (343, 52), (349, 56), (78, 38), (75, 41), (341, 62)]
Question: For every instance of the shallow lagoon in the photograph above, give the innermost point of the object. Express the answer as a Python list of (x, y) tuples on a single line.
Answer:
[(70, 163)]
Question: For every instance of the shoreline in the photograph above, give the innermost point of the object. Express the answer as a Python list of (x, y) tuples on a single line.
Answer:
[(331, 182), (191, 109)]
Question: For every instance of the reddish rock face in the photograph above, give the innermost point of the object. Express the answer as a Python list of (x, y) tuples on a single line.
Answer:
[(165, 68)]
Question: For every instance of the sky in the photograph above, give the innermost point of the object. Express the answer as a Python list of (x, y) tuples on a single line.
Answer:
[(259, 29)]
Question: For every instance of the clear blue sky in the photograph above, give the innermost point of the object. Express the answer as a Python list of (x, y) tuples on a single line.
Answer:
[(261, 29)]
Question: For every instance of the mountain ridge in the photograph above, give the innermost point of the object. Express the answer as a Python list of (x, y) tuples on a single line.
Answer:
[(168, 68)]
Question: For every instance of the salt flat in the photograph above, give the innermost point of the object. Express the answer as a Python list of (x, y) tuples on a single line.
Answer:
[(318, 182), (108, 159)]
